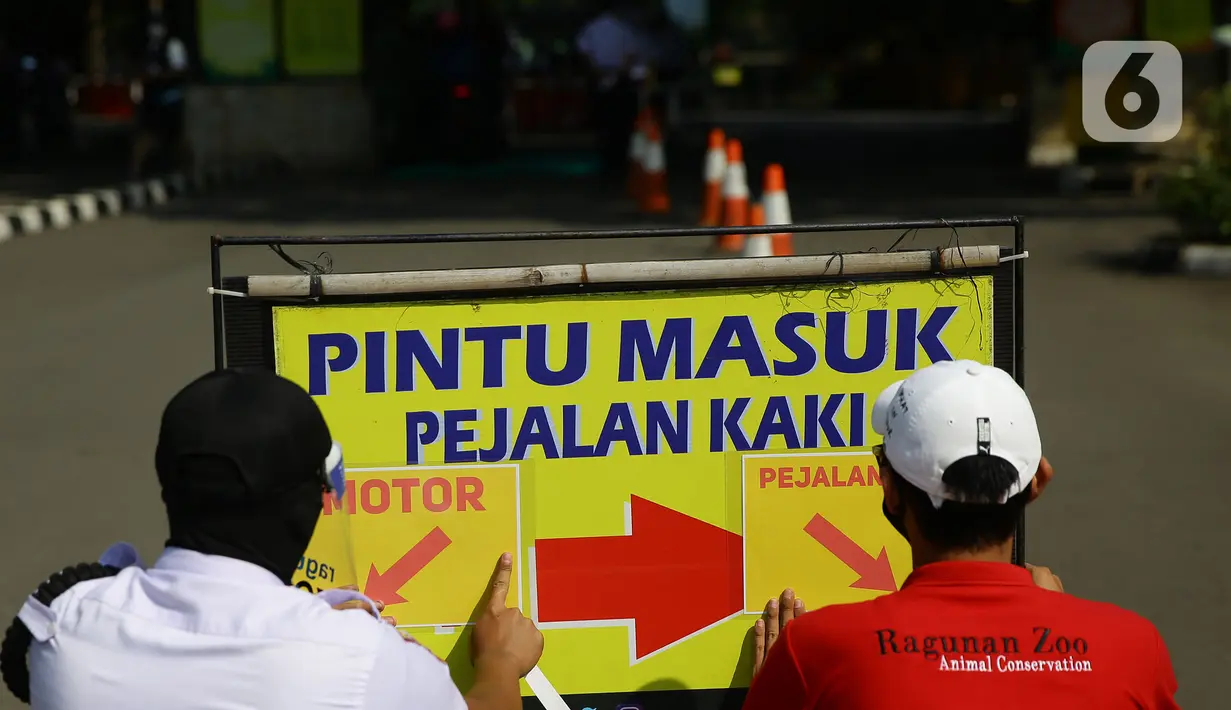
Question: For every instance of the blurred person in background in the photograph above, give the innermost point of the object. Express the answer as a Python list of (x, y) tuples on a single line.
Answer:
[(960, 461), (465, 69), (669, 54), (245, 459), (617, 50), (10, 102), (53, 122), (494, 51), (160, 119), (669, 48), (455, 65)]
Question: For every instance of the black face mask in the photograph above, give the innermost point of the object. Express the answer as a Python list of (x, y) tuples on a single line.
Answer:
[(272, 534), (897, 521)]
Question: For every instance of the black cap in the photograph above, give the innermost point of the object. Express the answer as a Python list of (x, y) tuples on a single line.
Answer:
[(239, 436)]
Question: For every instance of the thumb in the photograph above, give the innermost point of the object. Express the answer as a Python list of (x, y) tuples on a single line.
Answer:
[(498, 593)]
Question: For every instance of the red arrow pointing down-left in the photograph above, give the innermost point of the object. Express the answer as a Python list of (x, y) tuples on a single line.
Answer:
[(673, 576), (384, 587)]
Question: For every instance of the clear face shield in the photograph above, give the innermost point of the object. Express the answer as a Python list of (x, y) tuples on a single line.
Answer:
[(329, 561)]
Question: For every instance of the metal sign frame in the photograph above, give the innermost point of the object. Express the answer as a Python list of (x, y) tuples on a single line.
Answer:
[(243, 334)]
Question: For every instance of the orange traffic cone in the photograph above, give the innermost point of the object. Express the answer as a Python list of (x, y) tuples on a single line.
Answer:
[(757, 244), (654, 198), (777, 208), (715, 169), (636, 155), (734, 197)]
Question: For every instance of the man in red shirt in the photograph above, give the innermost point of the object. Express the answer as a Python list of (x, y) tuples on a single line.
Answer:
[(961, 458)]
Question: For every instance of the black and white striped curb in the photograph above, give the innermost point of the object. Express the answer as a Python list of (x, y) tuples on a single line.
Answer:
[(88, 205), (1171, 254), (1206, 260)]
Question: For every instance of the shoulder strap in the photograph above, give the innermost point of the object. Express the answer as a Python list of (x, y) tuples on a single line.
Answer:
[(37, 610)]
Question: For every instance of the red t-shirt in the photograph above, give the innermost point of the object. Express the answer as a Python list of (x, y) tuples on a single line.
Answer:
[(967, 634)]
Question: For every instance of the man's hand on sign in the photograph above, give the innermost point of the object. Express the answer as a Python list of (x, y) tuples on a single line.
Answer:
[(778, 612), (1044, 578), (362, 605), (504, 639)]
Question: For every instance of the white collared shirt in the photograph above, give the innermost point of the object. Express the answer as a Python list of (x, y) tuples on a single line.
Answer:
[(200, 631)]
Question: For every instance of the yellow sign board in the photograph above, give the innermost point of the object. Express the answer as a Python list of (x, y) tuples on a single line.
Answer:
[(236, 39), (810, 512), (322, 37), (728, 75), (630, 449), (425, 527), (1188, 24)]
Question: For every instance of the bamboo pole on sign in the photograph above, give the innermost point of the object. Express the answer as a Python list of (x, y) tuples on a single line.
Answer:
[(952, 259)]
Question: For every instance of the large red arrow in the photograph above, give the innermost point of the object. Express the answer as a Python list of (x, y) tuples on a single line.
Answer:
[(673, 576), (874, 572), (384, 587)]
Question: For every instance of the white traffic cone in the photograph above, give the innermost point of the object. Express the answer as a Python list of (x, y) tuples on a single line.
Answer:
[(734, 199), (715, 170), (757, 244), (777, 208), (654, 197), (637, 146)]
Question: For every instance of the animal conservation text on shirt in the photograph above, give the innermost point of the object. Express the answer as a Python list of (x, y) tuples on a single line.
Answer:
[(979, 632)]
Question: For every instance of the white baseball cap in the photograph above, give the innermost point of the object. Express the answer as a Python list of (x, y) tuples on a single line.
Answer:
[(949, 411)]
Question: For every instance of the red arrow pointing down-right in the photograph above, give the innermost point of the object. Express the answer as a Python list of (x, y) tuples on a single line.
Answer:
[(874, 572)]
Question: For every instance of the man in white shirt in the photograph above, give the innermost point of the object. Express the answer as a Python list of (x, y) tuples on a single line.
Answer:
[(243, 457)]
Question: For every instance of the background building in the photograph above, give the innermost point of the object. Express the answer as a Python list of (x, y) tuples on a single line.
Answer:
[(345, 81)]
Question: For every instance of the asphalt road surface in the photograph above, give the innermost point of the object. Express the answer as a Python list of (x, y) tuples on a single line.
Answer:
[(101, 323)]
